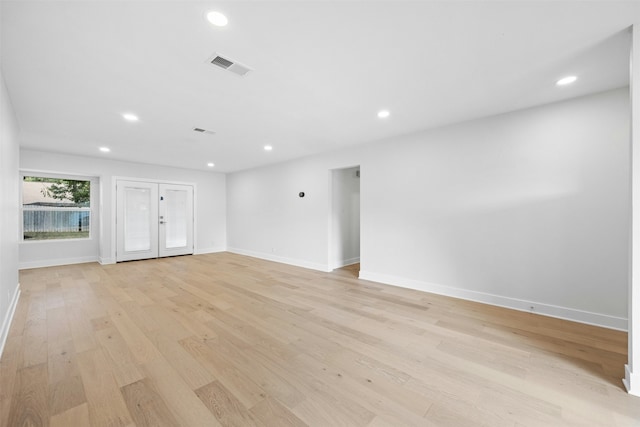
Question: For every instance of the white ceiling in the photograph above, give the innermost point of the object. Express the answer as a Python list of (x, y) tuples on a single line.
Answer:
[(322, 70)]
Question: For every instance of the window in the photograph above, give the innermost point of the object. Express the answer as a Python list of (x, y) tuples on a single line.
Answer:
[(55, 208)]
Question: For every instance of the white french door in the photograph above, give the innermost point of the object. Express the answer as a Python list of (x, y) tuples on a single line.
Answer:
[(176, 219), (153, 220)]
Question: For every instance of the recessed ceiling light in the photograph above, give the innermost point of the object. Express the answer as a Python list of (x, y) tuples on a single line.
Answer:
[(383, 114), (210, 164), (268, 148), (217, 19), (130, 117), (566, 80), (105, 149)]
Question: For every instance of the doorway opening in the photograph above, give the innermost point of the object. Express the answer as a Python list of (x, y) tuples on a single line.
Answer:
[(344, 221)]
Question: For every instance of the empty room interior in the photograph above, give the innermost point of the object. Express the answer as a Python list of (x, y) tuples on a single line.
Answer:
[(321, 213)]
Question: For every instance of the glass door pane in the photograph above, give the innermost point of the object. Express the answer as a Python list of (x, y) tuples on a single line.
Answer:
[(175, 216), (137, 219)]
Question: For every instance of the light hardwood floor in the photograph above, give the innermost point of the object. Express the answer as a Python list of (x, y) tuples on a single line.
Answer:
[(223, 339)]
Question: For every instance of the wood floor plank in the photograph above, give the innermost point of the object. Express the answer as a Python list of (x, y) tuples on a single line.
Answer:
[(146, 406), (29, 405), (193, 324), (441, 415), (76, 416), (138, 297), (106, 406), (165, 323), (361, 393), (224, 339), (240, 383), (81, 330), (263, 372), (139, 344), (313, 411), (224, 405), (35, 334), (118, 355), (270, 409), (9, 364), (187, 408), (140, 317), (191, 371), (66, 389), (58, 332), (20, 316)]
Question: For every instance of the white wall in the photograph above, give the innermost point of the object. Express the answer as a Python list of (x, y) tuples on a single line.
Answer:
[(210, 207), (344, 245), (526, 209), (9, 152), (267, 219)]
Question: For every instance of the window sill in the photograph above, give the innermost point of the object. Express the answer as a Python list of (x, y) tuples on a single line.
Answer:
[(30, 241)]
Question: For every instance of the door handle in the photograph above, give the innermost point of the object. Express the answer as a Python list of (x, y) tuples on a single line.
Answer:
[(163, 222)]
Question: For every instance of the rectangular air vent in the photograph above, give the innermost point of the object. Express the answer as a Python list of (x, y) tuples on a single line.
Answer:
[(204, 131), (229, 65), (221, 62)]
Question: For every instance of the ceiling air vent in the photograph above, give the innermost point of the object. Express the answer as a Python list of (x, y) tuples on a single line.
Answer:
[(221, 62), (204, 131), (229, 65)]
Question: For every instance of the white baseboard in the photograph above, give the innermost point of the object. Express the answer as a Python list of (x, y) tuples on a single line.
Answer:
[(283, 260), (212, 250), (345, 262), (566, 313), (56, 262), (631, 381), (8, 318)]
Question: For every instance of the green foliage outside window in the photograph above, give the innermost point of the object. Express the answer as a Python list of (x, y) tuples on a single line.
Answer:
[(77, 192)]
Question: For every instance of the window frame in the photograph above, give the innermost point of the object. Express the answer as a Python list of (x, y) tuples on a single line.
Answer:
[(91, 209)]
